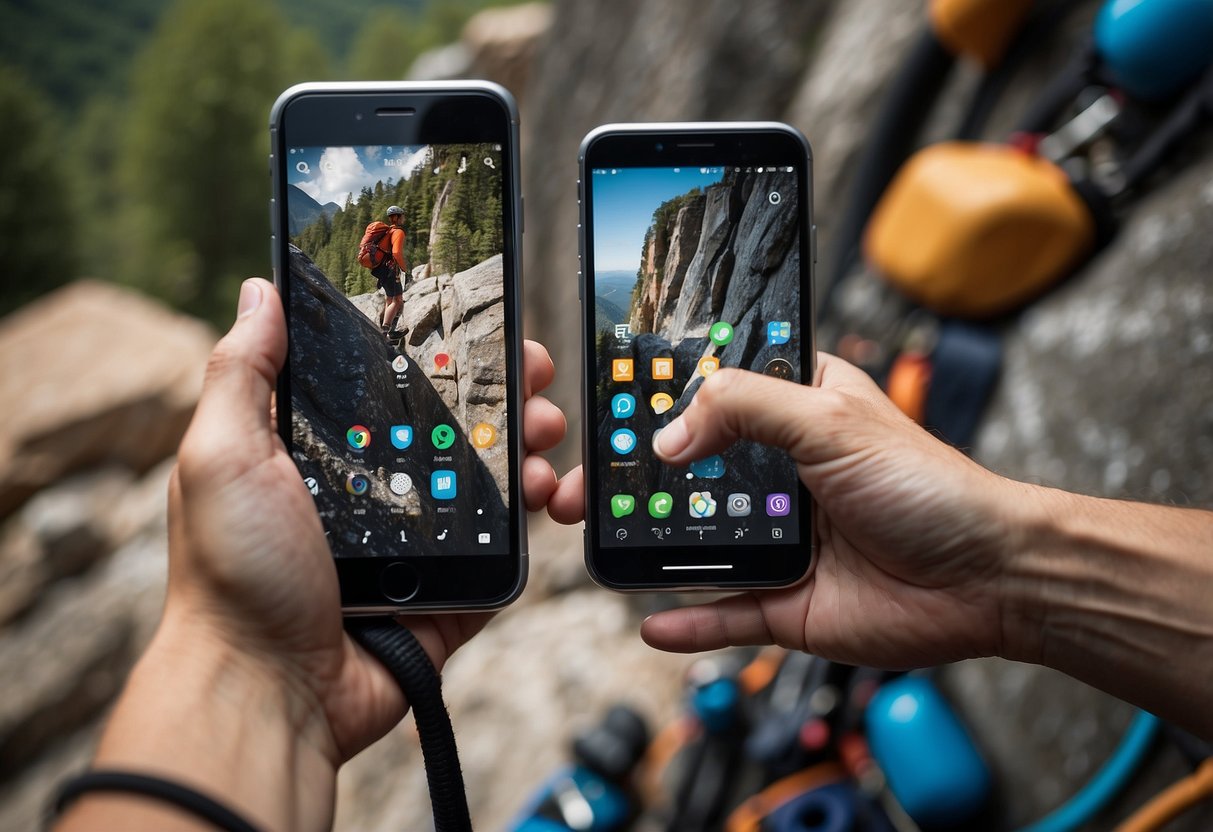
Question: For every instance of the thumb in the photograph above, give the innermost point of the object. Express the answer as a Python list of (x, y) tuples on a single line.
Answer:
[(232, 424), (734, 404)]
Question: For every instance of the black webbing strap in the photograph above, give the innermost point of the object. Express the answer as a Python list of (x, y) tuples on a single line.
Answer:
[(400, 652)]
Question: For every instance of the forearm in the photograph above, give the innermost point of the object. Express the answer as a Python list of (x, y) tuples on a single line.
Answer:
[(1119, 595), (195, 713)]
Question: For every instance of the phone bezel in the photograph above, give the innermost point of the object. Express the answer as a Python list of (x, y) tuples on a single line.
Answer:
[(344, 114), (692, 145)]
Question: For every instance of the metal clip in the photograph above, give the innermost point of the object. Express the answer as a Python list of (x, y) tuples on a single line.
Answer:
[(1080, 130)]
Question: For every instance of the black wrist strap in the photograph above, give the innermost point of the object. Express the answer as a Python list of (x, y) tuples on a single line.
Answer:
[(399, 651), (166, 791)]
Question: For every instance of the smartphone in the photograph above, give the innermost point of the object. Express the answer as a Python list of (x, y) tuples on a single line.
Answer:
[(396, 249), (697, 250)]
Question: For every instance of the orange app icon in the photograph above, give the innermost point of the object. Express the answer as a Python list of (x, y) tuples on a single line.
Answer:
[(708, 365), (621, 369), (663, 368), (484, 435)]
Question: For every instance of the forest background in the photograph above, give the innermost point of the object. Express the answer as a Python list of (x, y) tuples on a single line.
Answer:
[(136, 133)]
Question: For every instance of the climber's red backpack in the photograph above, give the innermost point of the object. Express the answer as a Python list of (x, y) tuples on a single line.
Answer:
[(370, 253)]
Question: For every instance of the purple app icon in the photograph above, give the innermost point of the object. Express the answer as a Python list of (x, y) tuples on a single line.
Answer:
[(778, 505)]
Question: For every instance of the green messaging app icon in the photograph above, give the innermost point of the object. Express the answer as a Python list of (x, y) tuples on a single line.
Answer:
[(721, 333), (443, 437), (622, 505), (661, 504)]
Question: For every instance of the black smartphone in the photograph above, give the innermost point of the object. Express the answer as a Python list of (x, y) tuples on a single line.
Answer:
[(697, 251), (396, 249)]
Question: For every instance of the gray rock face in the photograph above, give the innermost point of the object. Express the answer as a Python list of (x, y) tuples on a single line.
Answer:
[(341, 375)]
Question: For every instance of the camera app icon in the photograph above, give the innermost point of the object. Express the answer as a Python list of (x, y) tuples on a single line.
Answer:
[(738, 505)]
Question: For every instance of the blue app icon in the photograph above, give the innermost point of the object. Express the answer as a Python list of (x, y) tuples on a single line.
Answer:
[(623, 405), (711, 468), (778, 332), (442, 485), (402, 436), (623, 441)]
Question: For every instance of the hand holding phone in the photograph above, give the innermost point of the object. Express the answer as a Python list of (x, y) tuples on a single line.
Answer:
[(697, 253), (400, 401)]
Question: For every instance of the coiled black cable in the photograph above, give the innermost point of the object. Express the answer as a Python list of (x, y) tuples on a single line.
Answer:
[(400, 652)]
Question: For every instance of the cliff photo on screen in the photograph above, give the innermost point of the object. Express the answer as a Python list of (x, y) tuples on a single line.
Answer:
[(676, 251), (442, 363)]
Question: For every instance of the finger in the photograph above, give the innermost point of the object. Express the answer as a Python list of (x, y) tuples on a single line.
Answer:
[(232, 423), (735, 621), (736, 404), (537, 367), (538, 482), (567, 503), (543, 424)]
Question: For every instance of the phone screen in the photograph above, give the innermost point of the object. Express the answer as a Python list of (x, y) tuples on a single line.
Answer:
[(692, 268), (398, 345)]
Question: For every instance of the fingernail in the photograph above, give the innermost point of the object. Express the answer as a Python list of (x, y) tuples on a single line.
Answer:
[(673, 438), (250, 298)]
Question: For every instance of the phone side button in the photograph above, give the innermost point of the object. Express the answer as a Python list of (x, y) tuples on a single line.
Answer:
[(398, 582), (813, 241), (522, 213), (579, 285)]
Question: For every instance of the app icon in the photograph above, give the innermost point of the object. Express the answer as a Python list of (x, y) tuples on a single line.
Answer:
[(778, 368), (313, 486), (738, 505), (721, 333), (484, 537), (443, 437), (777, 533), (702, 504), (623, 405), (400, 363), (778, 505), (661, 504), (622, 505), (400, 484), (661, 402), (621, 369), (778, 332), (402, 436), (708, 365), (358, 437), (623, 441), (484, 435), (441, 360), (442, 484), (623, 332), (663, 368), (711, 468), (357, 484)]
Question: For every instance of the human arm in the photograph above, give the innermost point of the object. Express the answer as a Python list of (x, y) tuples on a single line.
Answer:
[(250, 690), (398, 250), (925, 557)]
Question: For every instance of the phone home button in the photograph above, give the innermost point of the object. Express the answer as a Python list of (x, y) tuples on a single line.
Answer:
[(398, 582)]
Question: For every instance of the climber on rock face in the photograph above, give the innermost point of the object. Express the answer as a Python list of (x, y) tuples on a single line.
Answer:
[(395, 270)]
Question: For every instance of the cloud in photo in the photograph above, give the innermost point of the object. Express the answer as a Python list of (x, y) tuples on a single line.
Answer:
[(340, 174)]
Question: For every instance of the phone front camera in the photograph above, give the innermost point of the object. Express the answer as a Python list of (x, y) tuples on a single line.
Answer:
[(660, 147), (358, 116)]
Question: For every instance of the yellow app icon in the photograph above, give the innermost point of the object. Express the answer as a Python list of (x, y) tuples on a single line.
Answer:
[(661, 402), (484, 435), (621, 369), (708, 365), (663, 368)]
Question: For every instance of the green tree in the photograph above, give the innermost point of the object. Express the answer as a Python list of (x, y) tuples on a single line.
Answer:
[(193, 163), (38, 247), (382, 50)]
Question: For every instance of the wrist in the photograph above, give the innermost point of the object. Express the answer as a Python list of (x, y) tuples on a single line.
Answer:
[(217, 719)]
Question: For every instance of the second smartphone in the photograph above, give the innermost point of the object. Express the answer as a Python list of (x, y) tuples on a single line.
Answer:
[(397, 237), (697, 252)]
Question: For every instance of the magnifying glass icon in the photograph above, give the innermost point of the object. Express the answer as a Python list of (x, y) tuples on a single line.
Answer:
[(488, 160), (303, 168)]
